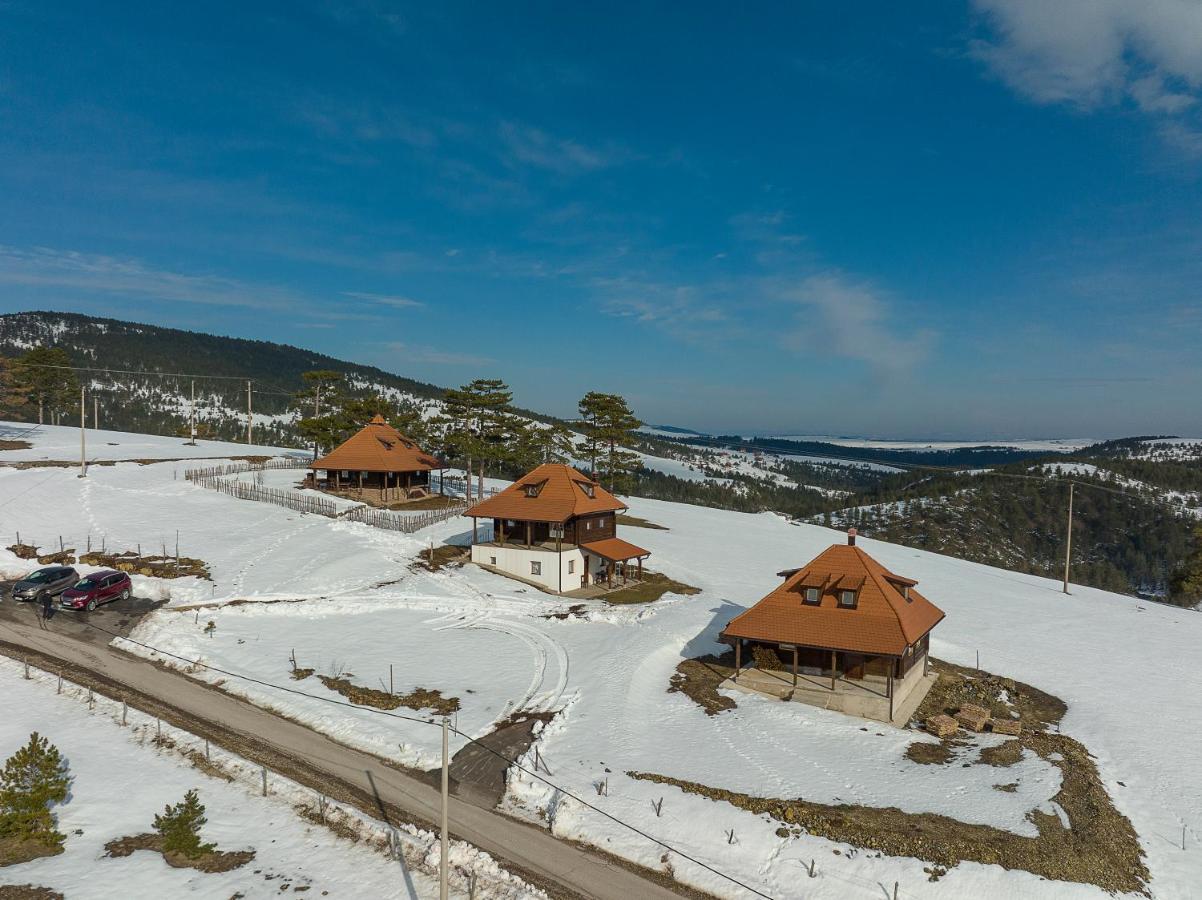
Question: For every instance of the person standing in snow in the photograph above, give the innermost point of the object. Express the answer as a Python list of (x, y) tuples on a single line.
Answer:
[(47, 607)]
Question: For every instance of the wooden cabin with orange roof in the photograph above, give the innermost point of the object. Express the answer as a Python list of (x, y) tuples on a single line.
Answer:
[(841, 632), (377, 464), (556, 528)]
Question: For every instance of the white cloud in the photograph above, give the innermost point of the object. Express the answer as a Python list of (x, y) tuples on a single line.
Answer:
[(1091, 53), (850, 319), (44, 267), (392, 300), (532, 146)]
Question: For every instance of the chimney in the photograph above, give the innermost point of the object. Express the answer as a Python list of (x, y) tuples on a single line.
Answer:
[(851, 537)]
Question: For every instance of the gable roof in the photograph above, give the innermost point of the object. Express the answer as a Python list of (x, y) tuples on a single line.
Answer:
[(883, 621), (377, 447), (560, 492)]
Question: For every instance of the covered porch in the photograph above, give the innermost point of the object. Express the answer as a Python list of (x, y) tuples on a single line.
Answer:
[(372, 487), (615, 556), (882, 688)]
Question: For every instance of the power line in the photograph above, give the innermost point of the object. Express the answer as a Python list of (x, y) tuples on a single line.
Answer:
[(144, 373), (468, 738)]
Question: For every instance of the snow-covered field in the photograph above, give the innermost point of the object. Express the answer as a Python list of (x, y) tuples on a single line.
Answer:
[(1123, 666), (61, 443), (121, 779)]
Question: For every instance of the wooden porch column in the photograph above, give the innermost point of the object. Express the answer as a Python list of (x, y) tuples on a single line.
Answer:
[(473, 529), (640, 568), (833, 670), (738, 656), (890, 693), (501, 522), (795, 653), (527, 535)]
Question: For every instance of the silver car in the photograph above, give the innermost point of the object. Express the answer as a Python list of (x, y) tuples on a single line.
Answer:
[(48, 582)]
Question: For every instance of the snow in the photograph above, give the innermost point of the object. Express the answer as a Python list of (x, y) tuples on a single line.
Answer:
[(1049, 445), (107, 760), (61, 443), (349, 600)]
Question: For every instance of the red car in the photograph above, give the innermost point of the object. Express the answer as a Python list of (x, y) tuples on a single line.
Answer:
[(99, 587)]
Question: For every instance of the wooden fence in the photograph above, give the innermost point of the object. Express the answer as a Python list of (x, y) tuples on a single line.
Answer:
[(382, 518), (217, 478), (244, 490)]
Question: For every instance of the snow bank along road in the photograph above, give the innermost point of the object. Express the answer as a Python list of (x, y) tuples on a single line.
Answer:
[(551, 864)]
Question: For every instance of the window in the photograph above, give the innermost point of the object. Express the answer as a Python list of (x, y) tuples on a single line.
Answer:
[(812, 595), (847, 599), (492, 560), (588, 489), (906, 592), (531, 490), (571, 567), (536, 568)]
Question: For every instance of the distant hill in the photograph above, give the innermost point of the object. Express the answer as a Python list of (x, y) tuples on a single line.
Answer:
[(155, 404)]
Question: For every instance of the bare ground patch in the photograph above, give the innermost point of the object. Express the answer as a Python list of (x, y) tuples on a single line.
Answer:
[(442, 557), (15, 445), (927, 754), (652, 586), (1099, 846), (698, 679), (1003, 755), (418, 698), (636, 522), (28, 892), (213, 861), (13, 851)]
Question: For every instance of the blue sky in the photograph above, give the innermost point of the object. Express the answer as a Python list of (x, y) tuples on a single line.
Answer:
[(975, 219)]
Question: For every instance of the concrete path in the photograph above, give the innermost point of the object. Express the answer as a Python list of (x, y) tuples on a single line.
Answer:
[(556, 865)]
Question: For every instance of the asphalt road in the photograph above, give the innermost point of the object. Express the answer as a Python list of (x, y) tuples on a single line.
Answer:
[(563, 868)]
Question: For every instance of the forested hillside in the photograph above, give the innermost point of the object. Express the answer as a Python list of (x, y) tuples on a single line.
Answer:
[(156, 404)]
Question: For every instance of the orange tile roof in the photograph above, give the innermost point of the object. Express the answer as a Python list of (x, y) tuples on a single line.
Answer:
[(615, 549), (561, 493), (377, 447), (883, 621)]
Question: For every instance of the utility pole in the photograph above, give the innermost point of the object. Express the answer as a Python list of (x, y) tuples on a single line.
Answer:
[(192, 415), (83, 454), (248, 412), (1068, 543), (443, 863), (316, 415)]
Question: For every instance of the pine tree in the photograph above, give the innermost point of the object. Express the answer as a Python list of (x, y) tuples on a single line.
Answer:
[(479, 424), (608, 424), (44, 374), (34, 779), (317, 400), (13, 393), (1185, 589), (180, 825)]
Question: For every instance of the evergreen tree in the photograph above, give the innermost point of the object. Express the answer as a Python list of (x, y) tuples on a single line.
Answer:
[(44, 374), (1186, 586), (180, 825), (319, 396), (33, 780), (609, 426), (479, 425), (13, 393)]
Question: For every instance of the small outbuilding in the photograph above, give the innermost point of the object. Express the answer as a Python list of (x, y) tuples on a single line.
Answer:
[(841, 632), (377, 464), (556, 528)]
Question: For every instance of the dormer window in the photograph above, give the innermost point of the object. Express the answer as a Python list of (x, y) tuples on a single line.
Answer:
[(588, 488), (905, 592), (812, 595), (533, 489), (847, 599)]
